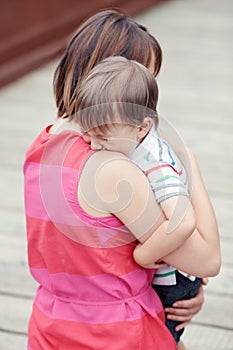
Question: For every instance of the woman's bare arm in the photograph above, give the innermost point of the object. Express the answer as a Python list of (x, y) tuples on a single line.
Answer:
[(206, 239)]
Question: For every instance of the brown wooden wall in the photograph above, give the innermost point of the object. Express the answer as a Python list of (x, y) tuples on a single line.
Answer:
[(32, 32)]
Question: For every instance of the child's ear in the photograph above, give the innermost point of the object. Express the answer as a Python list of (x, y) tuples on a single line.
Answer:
[(144, 128)]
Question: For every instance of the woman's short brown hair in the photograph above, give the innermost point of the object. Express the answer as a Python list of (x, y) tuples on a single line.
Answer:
[(107, 33), (117, 90)]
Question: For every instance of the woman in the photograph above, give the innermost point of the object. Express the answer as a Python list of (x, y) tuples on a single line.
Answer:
[(75, 255), (111, 33)]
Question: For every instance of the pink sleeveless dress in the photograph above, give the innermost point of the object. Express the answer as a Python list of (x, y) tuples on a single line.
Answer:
[(91, 294)]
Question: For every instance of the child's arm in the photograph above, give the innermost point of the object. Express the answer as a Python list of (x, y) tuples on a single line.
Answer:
[(179, 225)]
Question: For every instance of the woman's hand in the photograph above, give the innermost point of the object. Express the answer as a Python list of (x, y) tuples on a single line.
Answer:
[(184, 310)]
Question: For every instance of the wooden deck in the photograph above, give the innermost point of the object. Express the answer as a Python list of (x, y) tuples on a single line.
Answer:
[(196, 89)]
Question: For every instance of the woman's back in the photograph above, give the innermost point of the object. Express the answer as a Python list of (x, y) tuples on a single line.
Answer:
[(92, 294)]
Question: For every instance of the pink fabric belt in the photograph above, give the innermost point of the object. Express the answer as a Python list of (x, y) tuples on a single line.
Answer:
[(128, 309)]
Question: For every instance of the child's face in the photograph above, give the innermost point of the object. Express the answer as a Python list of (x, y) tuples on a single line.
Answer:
[(117, 138)]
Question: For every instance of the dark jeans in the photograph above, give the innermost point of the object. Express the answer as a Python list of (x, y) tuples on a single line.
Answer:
[(183, 289)]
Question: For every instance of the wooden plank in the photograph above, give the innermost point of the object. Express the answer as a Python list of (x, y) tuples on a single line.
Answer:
[(217, 311), (13, 219), (223, 209), (11, 189), (197, 337), (227, 249), (16, 280), (10, 341), (223, 283), (15, 313)]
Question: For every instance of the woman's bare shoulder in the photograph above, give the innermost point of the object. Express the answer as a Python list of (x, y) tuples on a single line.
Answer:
[(111, 178), (111, 165)]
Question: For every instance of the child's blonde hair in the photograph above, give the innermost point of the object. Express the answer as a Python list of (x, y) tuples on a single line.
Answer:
[(117, 90)]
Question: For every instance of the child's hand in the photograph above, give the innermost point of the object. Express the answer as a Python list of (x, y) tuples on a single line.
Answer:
[(204, 281)]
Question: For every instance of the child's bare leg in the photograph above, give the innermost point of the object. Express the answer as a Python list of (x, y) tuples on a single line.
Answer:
[(181, 346)]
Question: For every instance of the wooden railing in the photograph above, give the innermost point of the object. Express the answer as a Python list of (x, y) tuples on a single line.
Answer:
[(32, 32)]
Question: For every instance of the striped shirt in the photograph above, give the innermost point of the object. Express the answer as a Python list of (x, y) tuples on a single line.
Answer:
[(167, 177)]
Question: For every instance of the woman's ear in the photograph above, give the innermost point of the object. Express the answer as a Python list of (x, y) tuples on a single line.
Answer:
[(144, 128)]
